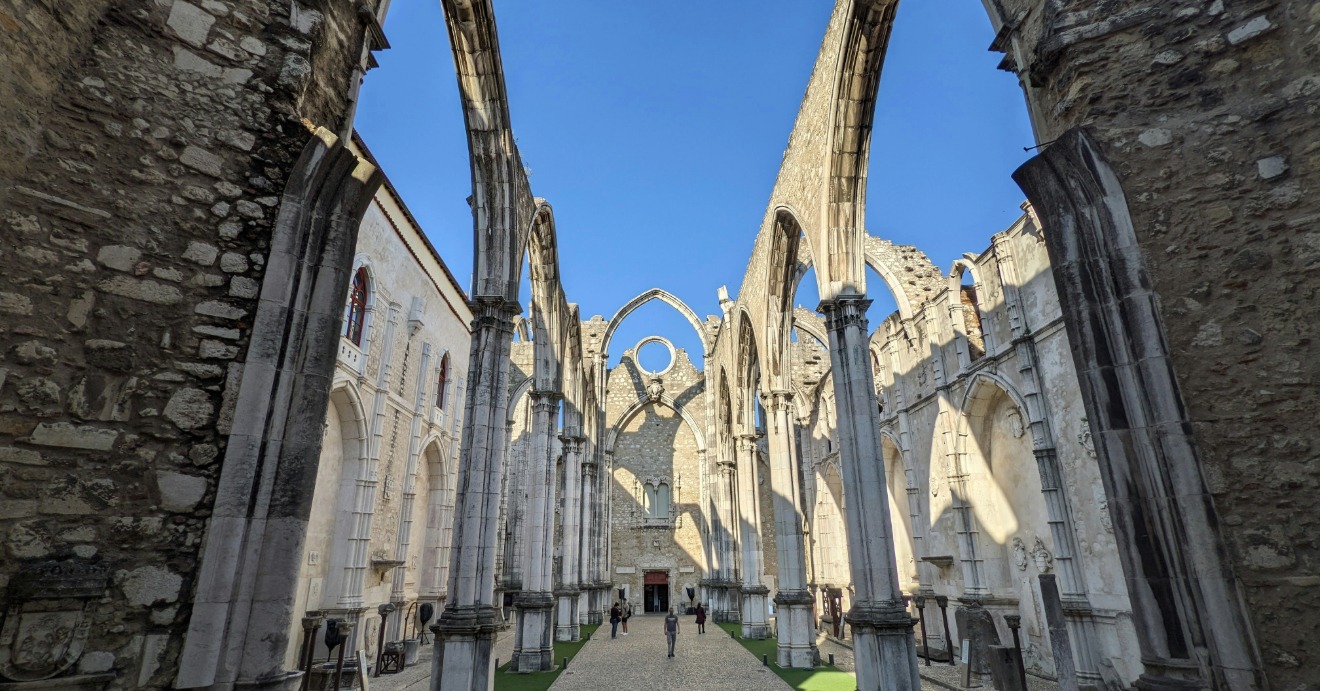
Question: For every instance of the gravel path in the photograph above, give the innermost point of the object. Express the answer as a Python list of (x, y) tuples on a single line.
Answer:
[(638, 661)]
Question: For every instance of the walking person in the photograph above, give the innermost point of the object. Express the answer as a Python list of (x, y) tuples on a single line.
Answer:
[(701, 618), (616, 615), (671, 629), (627, 613)]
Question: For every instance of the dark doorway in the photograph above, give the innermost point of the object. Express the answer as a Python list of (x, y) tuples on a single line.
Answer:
[(835, 602), (655, 594)]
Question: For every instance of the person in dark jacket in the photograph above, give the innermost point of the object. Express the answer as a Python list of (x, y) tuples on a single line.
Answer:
[(701, 618), (615, 616)]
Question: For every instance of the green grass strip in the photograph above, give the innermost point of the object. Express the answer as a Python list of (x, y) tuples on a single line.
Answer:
[(540, 681), (822, 678)]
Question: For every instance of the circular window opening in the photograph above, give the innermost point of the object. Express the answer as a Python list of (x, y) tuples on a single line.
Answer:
[(654, 356)]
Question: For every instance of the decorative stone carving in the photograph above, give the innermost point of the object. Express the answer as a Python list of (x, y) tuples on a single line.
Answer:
[(1015, 426), (47, 617), (1044, 560), (655, 389), (1020, 554), (1084, 438)]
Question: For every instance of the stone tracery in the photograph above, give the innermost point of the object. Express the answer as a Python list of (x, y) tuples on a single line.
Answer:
[(944, 393)]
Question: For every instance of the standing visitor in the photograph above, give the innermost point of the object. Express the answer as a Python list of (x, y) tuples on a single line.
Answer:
[(627, 612), (615, 615), (671, 629), (701, 618)]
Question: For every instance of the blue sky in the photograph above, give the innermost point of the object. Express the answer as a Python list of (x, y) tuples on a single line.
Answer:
[(656, 130)]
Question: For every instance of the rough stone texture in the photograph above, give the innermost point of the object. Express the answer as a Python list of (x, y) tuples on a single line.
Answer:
[(120, 126), (655, 443), (179, 492), (149, 585)]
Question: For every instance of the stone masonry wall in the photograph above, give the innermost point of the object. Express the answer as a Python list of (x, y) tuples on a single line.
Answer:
[(144, 152), (1208, 113), (656, 442)]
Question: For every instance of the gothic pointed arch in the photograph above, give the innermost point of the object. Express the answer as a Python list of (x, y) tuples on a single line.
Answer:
[(658, 295), (640, 404)]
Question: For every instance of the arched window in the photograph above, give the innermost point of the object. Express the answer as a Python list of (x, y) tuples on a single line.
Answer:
[(442, 383), (655, 501), (648, 500), (662, 501), (357, 308)]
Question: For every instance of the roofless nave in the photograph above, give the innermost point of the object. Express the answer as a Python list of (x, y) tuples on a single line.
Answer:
[(221, 420)]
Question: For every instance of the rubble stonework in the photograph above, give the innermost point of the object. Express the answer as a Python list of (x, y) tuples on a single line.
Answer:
[(143, 139), (181, 217)]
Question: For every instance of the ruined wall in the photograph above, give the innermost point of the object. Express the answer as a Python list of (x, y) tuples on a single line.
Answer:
[(146, 145), (657, 443), (1208, 113)]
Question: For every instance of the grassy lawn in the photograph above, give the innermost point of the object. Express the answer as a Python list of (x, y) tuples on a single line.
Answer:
[(823, 678), (507, 681)]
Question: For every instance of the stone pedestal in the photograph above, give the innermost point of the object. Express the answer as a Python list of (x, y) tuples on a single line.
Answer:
[(533, 646), (566, 615), (797, 635), (883, 647), (463, 641), (755, 624)]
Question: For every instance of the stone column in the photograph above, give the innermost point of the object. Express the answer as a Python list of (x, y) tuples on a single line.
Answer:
[(797, 640), (886, 655), (466, 628), (586, 538), (754, 592), (727, 610), (566, 627), (533, 641)]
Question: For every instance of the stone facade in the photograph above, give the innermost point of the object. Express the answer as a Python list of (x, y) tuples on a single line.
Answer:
[(979, 397), (182, 221), (147, 147), (656, 444), (382, 511)]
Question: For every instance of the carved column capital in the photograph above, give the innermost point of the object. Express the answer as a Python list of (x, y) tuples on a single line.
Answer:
[(546, 401), (779, 400), (844, 312), (494, 312)]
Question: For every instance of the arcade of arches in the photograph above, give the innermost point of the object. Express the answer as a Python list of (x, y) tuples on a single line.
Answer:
[(1102, 426)]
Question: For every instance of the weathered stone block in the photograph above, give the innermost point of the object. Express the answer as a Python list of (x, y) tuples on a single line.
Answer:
[(119, 257), (65, 435), (13, 303), (10, 454), (1246, 32), (189, 61), (112, 355), (233, 263), (190, 23), (35, 353), (141, 289), (179, 492), (202, 161), (190, 409), (149, 585), (201, 253), (244, 287)]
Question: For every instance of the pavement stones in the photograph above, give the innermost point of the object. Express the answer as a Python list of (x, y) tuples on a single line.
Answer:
[(638, 661)]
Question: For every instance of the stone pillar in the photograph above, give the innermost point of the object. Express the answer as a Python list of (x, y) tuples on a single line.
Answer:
[(797, 640), (754, 592), (465, 631), (587, 535), (533, 641), (886, 655), (570, 536), (726, 610)]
